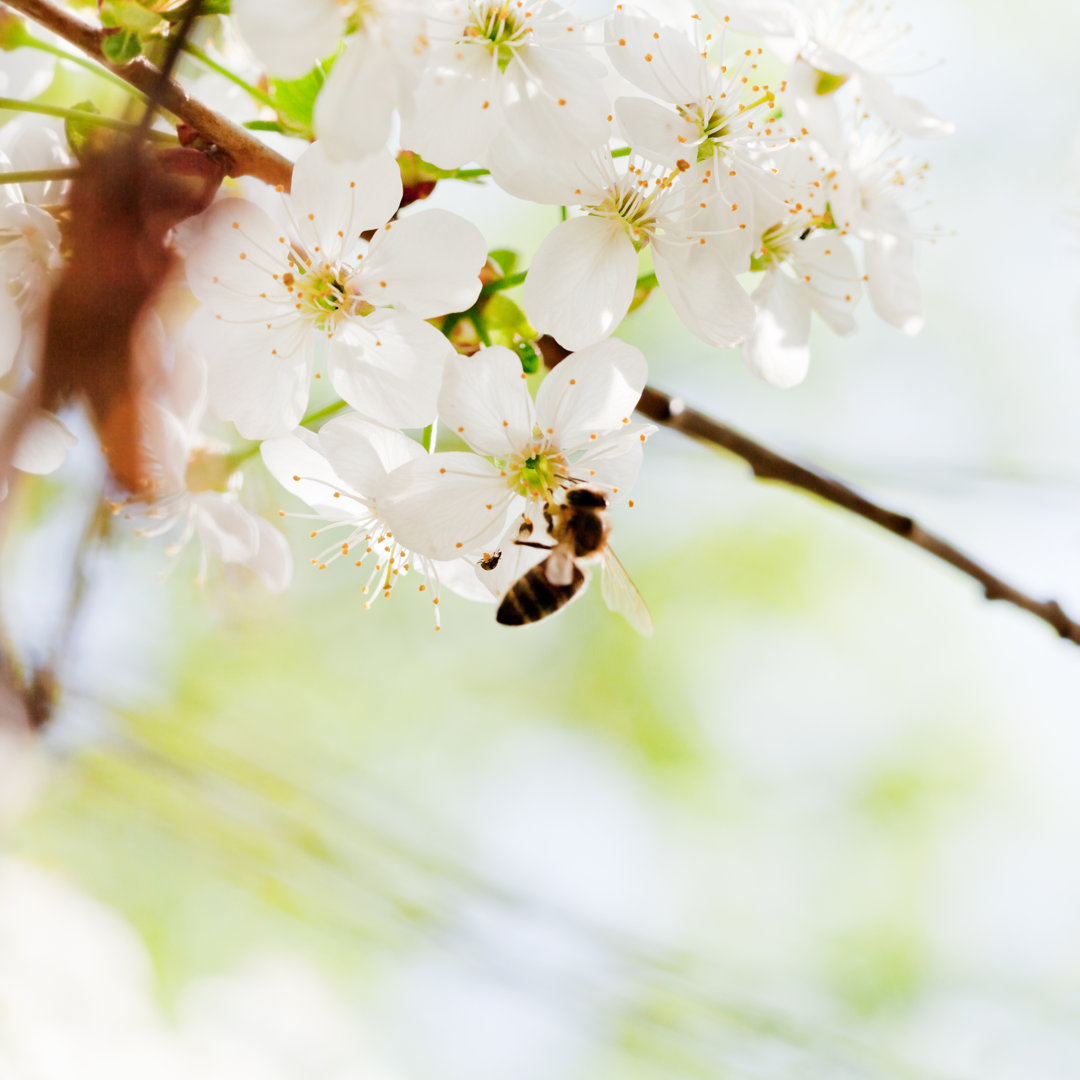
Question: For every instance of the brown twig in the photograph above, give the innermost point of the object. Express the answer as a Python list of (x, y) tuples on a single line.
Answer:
[(769, 465), (247, 155)]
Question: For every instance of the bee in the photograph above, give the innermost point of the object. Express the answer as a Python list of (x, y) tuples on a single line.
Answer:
[(579, 527)]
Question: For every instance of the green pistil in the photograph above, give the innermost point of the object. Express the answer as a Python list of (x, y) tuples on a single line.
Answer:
[(633, 210), (535, 476), (828, 82), (774, 247), (499, 32)]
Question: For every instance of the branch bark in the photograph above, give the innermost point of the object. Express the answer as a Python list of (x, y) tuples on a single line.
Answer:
[(247, 155), (767, 464)]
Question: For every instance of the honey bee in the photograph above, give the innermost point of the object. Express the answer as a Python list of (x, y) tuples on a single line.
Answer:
[(579, 527)]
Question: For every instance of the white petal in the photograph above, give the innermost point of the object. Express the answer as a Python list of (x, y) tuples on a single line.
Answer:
[(485, 399), (892, 281), (363, 73), (362, 452), (289, 38), (262, 392), (298, 464), (554, 102), (654, 130), (333, 202), (430, 263), (704, 293), (232, 268), (272, 561), (818, 113), (904, 113), (541, 178), (778, 348), (10, 330), (593, 391), (447, 505), (227, 531), (827, 269), (658, 59), (44, 444), (389, 367), (613, 462), (581, 281), (456, 114)]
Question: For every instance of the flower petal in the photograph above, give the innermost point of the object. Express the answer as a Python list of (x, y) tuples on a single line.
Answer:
[(658, 59), (777, 349), (704, 292), (581, 281), (447, 505), (455, 115), (903, 113), (298, 464), (333, 202), (272, 561), (486, 401), (263, 392), (10, 331), (288, 38), (364, 72), (232, 268), (228, 532), (363, 452), (654, 130), (592, 392), (427, 264), (389, 366), (554, 103)]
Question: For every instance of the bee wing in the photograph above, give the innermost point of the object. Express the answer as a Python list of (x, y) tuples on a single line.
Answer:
[(559, 566), (621, 594)]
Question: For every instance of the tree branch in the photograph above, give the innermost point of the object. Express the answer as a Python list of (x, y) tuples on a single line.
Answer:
[(769, 465), (247, 155)]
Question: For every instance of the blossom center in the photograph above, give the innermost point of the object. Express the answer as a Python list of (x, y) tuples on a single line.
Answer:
[(322, 294), (536, 476), (630, 203), (500, 29)]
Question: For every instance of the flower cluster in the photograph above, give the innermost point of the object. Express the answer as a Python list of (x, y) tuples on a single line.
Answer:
[(746, 163)]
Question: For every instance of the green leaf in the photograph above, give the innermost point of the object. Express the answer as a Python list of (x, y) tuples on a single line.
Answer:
[(80, 132), (129, 15), (265, 125), (505, 259), (121, 47), (295, 99)]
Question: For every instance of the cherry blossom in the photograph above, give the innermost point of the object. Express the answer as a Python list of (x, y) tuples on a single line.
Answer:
[(582, 279), (276, 293), (503, 70), (192, 489), (342, 474), (829, 43), (578, 430)]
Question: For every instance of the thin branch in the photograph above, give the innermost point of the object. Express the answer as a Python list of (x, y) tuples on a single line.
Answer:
[(248, 156), (769, 465)]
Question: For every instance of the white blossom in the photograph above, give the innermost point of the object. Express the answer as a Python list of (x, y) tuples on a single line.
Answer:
[(276, 293), (579, 430), (342, 474), (192, 489), (506, 70), (829, 43)]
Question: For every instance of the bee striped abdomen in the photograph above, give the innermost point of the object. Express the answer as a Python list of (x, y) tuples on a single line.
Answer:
[(532, 597)]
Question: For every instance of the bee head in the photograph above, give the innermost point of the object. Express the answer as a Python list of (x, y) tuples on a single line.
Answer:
[(586, 497)]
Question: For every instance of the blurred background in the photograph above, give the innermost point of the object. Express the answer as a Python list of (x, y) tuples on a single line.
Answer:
[(825, 823)]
